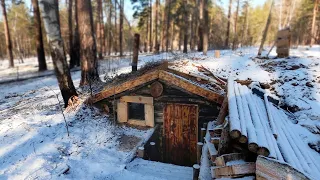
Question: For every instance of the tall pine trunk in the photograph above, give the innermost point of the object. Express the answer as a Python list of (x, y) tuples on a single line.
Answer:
[(39, 39), (186, 26), (98, 28), (205, 27), (157, 45), (110, 28), (235, 38), (115, 29), (200, 29), (76, 37), (313, 27), (228, 26), (72, 60), (121, 28), (163, 22), (50, 14), (265, 32), (150, 27), (168, 11), (102, 30), (89, 66), (7, 34)]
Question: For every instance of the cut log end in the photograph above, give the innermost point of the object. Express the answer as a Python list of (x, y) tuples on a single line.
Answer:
[(243, 139), (235, 134), (253, 147), (263, 151)]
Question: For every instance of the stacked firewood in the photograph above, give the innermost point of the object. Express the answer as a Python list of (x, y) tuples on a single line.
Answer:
[(267, 130)]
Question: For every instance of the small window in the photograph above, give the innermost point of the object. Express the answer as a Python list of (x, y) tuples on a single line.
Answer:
[(136, 111)]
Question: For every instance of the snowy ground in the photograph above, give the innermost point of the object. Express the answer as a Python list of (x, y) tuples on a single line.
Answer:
[(33, 139)]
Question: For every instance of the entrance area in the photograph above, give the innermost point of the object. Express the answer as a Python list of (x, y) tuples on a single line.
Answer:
[(180, 134)]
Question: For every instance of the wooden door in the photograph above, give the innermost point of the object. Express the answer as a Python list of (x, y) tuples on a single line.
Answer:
[(180, 133)]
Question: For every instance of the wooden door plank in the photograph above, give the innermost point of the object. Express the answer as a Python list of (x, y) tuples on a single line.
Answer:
[(193, 116), (186, 132)]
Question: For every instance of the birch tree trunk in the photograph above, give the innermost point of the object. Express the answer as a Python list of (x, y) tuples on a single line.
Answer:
[(89, 65), (7, 34), (265, 32), (39, 39), (228, 26), (50, 15)]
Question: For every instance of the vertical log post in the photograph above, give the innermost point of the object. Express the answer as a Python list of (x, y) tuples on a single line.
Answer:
[(134, 63), (203, 134), (141, 152), (199, 151), (153, 151), (196, 171)]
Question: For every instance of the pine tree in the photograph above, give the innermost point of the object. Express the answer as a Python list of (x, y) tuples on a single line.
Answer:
[(7, 34), (38, 34), (89, 66)]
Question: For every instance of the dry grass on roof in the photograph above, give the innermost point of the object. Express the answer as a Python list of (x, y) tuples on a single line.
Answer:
[(148, 67)]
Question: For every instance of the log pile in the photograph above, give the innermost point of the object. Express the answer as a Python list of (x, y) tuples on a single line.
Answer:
[(266, 130)]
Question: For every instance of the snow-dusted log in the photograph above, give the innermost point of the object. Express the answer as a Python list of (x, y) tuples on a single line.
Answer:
[(286, 149), (233, 112), (266, 127), (300, 148), (261, 137), (243, 138), (252, 136), (270, 116)]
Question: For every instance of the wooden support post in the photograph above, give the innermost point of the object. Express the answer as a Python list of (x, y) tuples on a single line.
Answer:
[(153, 151), (141, 152), (134, 63), (196, 171), (203, 134), (217, 54), (199, 151)]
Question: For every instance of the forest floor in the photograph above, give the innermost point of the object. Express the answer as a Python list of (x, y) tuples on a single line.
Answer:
[(34, 141)]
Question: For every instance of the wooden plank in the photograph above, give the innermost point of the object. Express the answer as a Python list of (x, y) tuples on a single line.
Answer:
[(137, 122), (222, 160), (267, 168), (122, 112), (137, 99), (236, 170), (189, 86), (127, 85), (149, 115), (193, 124), (167, 117), (185, 131)]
